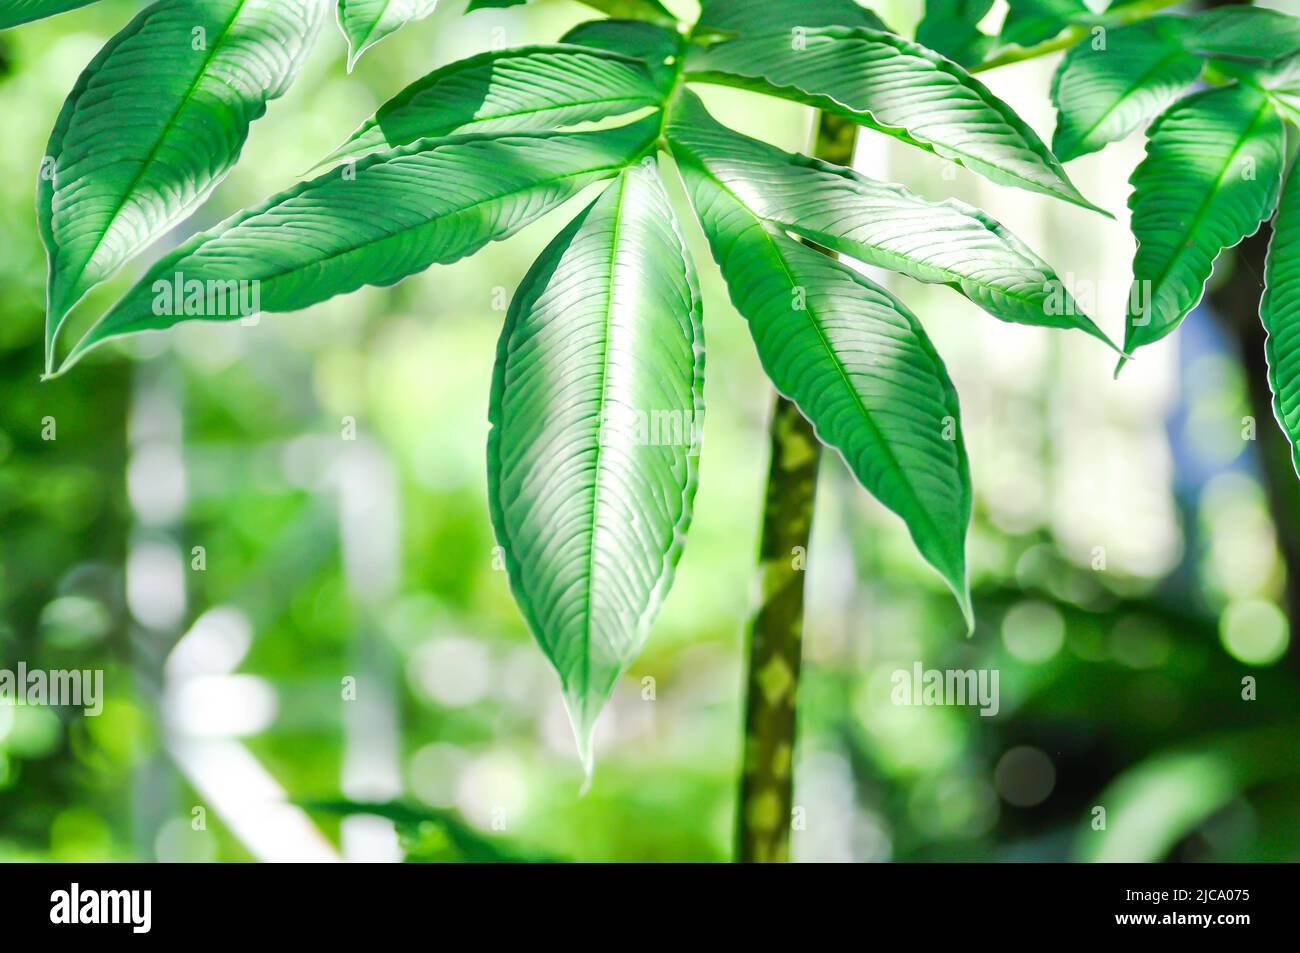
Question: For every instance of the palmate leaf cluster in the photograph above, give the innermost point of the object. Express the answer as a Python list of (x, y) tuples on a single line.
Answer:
[(1217, 89), (597, 393)]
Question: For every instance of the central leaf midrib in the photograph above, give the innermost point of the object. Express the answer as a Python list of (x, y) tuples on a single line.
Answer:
[(615, 238)]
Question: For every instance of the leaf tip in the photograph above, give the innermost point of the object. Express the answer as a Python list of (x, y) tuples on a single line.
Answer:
[(584, 734), (967, 610)]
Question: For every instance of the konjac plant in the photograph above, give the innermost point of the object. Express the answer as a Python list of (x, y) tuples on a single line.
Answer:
[(605, 332)]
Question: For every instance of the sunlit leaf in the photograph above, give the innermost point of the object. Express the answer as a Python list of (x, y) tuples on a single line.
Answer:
[(859, 367), (897, 87), (365, 22), (1103, 95), (532, 88), (1209, 178), (396, 213), (15, 12), (155, 122), (879, 223), (597, 392), (1280, 312)]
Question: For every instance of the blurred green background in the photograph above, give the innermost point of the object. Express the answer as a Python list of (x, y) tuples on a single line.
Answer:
[(274, 541)]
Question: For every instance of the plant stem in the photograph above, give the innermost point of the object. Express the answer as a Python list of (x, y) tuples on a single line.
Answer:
[(766, 803), (763, 814)]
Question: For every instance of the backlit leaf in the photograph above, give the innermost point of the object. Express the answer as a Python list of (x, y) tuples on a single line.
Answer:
[(365, 22), (1280, 312), (1103, 95), (528, 89), (897, 87), (859, 367), (597, 393), (155, 122), (396, 213), (15, 12), (879, 223), (1209, 178)]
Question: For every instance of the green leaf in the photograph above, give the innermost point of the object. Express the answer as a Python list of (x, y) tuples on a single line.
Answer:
[(649, 42), (397, 213), (529, 89), (16, 12), (885, 225), (951, 27), (858, 366), (897, 87), (774, 16), (1030, 22), (1209, 178), (1103, 95), (365, 22), (650, 10), (597, 391), (1247, 33), (1281, 80), (154, 124), (1280, 312)]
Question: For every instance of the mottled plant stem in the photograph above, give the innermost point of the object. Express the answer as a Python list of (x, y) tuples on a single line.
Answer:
[(766, 803)]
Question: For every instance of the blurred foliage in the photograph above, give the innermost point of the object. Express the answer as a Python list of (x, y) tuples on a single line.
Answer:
[(1126, 574)]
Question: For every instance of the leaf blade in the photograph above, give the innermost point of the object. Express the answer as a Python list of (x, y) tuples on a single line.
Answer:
[(747, 17), (154, 124), (396, 216), (527, 89), (951, 27), (894, 86), (1102, 96), (879, 223), (1280, 313), (859, 367), (17, 12), (1244, 32), (365, 22), (605, 329), (1210, 176)]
